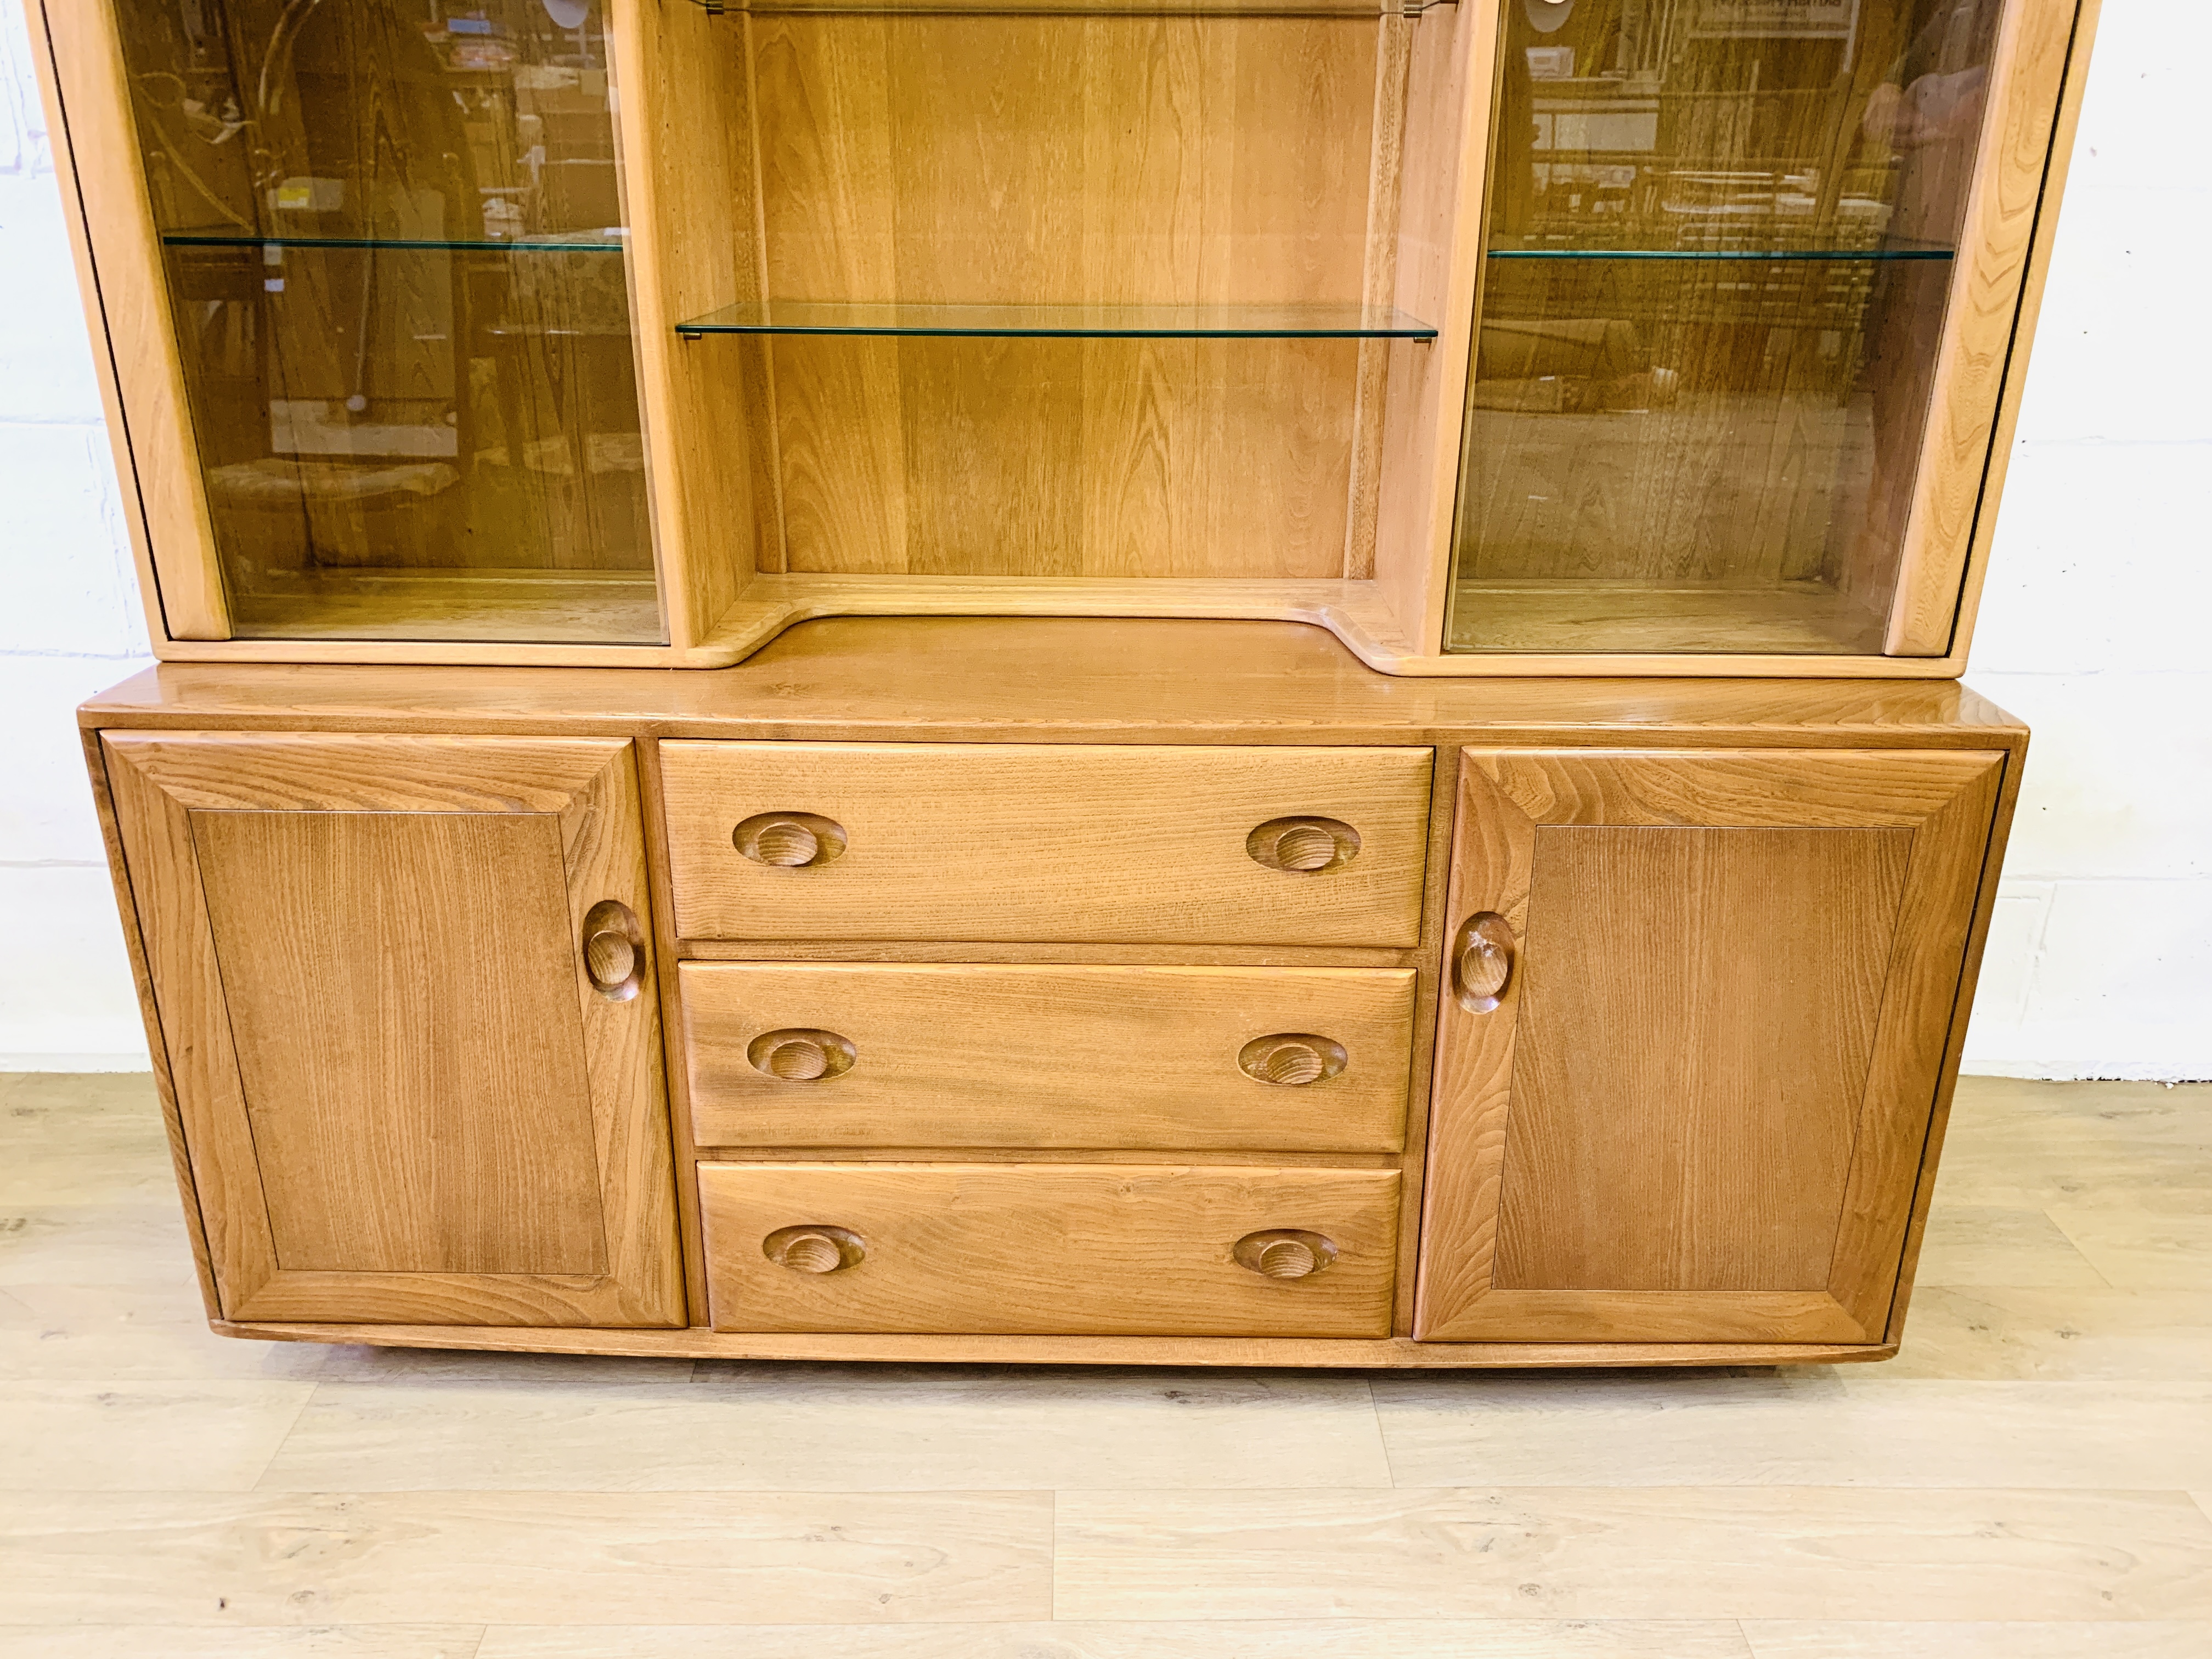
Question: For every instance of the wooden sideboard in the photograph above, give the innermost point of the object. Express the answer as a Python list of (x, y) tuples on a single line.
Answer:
[(1055, 989)]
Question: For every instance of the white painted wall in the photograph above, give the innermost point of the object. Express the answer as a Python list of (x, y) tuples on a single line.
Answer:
[(2095, 627)]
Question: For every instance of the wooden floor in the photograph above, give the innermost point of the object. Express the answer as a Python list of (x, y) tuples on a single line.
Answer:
[(2031, 1479)]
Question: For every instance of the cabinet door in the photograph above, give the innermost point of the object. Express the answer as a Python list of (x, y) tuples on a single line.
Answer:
[(405, 988), (1691, 1030)]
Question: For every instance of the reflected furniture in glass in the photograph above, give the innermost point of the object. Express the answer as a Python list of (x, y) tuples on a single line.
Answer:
[(1318, 718)]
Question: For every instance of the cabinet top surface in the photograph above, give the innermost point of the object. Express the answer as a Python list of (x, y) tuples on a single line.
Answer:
[(1031, 678)]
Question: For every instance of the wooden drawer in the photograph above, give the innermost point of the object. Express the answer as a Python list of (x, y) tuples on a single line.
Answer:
[(823, 1054), (1026, 843), (1065, 1249)]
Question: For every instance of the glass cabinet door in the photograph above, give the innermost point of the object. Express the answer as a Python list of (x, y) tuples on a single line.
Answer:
[(1718, 250), (394, 242)]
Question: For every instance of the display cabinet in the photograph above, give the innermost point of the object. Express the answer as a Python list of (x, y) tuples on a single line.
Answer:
[(1498, 336), (1325, 727)]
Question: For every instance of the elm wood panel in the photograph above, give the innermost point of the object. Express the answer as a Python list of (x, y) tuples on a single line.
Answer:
[(1044, 1248), (1033, 679), (2064, 132), (464, 1145), (967, 953), (1386, 172), (1009, 841), (654, 808), (990, 159), (1439, 261), (1945, 799), (1392, 1353), (684, 122), (1695, 1025), (1962, 1009), (134, 945), (588, 786), (126, 299), (1047, 1055), (1987, 283)]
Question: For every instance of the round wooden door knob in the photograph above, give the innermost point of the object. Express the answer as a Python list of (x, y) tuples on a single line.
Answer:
[(1303, 847), (614, 950), (1482, 962), (789, 841), (797, 1056), (814, 1250), (1285, 1253), (1290, 1059)]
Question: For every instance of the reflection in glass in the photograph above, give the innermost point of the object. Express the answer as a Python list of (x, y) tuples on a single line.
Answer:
[(395, 249), (1719, 248)]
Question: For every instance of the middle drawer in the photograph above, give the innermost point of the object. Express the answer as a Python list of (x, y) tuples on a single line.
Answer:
[(1195, 1059)]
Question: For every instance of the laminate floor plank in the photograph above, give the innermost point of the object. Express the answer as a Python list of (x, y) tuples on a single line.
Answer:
[(794, 1428), (140, 1244), (142, 1436), (1992, 1333), (482, 1558), (1990, 1244), (1379, 1638), (2011, 1484), (1783, 1639), (1736, 1553), (2144, 1249), (1792, 1428), (115, 1333), (183, 1641)]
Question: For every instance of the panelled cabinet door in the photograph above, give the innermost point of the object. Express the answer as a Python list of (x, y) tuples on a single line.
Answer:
[(1693, 1020), (405, 987)]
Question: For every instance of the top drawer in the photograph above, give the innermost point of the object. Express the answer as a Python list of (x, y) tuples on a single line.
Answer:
[(1031, 842)]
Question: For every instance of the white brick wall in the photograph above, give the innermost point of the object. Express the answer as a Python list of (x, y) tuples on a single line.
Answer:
[(2094, 628), (69, 620)]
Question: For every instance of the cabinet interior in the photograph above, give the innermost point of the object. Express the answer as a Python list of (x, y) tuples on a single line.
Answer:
[(1543, 328)]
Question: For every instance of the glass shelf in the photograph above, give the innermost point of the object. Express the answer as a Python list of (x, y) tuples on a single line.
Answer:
[(578, 241), (1102, 322), (1777, 254)]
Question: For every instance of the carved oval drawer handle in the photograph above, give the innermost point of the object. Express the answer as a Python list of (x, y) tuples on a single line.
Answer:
[(1285, 1253), (800, 1056), (1292, 1059), (1304, 846), (789, 841), (814, 1250), (1482, 962), (614, 950)]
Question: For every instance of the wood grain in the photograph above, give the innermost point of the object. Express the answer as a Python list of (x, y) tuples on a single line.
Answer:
[(978, 160), (1995, 244), (1046, 1249), (1055, 679), (586, 788), (1047, 1055), (1693, 1040), (1817, 1253), (466, 1150), (1010, 842), (127, 304)]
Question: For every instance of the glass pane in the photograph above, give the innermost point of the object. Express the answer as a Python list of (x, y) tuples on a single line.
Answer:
[(1261, 322), (396, 255), (1719, 247)]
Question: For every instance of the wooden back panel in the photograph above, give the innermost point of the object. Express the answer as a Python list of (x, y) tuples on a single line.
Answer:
[(1056, 160)]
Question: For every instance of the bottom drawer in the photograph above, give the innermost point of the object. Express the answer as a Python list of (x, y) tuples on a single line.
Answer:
[(1050, 1250)]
